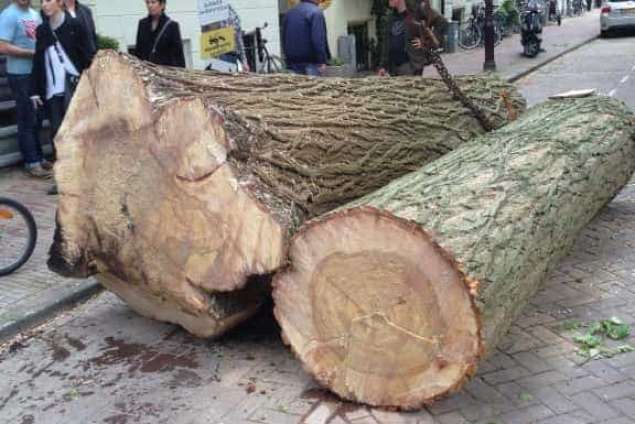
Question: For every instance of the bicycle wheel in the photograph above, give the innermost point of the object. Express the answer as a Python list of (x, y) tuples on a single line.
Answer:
[(470, 37), (18, 235)]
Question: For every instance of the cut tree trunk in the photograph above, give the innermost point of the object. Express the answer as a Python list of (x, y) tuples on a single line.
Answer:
[(374, 304), (184, 184)]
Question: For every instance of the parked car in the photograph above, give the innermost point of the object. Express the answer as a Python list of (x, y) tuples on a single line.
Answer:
[(617, 14)]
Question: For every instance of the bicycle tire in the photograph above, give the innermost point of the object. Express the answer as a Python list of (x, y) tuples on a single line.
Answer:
[(470, 38), (272, 65), (32, 235)]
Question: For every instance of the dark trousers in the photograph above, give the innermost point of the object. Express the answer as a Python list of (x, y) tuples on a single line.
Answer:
[(29, 124), (56, 110), (304, 69)]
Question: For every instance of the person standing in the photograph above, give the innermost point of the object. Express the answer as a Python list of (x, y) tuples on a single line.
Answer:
[(400, 55), (18, 23), (159, 37), (304, 38), (85, 16), (62, 52)]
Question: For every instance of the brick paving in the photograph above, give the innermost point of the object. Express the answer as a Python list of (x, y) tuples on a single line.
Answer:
[(101, 363), (32, 286), (510, 63), (34, 277)]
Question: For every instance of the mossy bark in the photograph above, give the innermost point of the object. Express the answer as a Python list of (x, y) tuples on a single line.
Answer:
[(187, 183), (508, 206)]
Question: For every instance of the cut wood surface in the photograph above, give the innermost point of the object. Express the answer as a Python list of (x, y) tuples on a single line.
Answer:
[(185, 183), (373, 302)]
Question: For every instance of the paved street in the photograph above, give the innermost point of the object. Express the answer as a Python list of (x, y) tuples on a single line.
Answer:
[(607, 65), (101, 363)]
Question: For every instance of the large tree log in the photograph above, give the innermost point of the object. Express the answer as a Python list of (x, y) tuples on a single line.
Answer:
[(184, 183), (376, 308)]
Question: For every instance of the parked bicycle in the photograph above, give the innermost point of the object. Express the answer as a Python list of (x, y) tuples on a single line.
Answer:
[(18, 235), (258, 56), (473, 33)]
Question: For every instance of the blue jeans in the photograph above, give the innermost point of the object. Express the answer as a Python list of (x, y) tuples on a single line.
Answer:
[(304, 69), (28, 123)]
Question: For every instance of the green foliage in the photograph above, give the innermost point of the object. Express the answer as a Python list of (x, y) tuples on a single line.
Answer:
[(592, 343), (335, 61), (104, 42), (509, 12)]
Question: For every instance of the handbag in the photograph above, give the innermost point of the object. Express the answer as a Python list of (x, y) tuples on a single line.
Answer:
[(70, 81)]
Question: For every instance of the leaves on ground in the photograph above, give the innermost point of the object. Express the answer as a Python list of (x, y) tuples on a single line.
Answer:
[(592, 342)]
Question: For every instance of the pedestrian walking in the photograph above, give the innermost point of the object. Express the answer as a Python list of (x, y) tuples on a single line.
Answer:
[(18, 23), (159, 37), (62, 52), (84, 15), (305, 39)]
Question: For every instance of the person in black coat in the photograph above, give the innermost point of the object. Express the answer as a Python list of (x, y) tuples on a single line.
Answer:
[(62, 52), (85, 16), (159, 37)]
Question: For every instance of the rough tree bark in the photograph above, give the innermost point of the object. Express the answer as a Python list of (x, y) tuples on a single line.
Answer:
[(375, 306), (179, 184)]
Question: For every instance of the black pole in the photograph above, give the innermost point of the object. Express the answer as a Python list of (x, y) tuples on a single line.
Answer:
[(490, 63)]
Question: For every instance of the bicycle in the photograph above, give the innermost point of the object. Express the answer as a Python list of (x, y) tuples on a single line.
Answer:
[(473, 34), (18, 235), (258, 56)]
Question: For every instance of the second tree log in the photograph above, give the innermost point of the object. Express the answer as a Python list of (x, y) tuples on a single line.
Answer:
[(374, 304)]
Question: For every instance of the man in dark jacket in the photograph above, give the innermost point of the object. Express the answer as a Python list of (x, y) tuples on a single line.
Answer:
[(304, 39), (84, 15)]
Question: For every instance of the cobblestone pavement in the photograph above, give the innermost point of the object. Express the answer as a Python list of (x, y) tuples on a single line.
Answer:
[(101, 363), (33, 288), (510, 62)]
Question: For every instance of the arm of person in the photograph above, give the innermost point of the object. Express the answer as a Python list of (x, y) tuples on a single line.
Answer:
[(12, 50), (8, 26), (90, 28), (178, 54), (137, 47), (38, 73), (85, 46), (318, 38)]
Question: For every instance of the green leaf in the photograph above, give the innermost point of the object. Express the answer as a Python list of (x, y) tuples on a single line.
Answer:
[(615, 329), (525, 397), (588, 340)]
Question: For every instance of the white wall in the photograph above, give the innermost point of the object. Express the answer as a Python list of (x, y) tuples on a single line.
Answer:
[(342, 12), (119, 18)]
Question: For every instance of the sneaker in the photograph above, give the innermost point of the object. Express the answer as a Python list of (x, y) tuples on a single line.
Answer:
[(38, 171), (53, 190)]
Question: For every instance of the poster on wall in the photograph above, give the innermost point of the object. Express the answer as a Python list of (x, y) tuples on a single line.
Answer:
[(217, 37), (212, 11), (217, 42)]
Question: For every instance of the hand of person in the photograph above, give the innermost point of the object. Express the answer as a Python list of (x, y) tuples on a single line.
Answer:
[(246, 67), (37, 102), (322, 68), (417, 43), (383, 72)]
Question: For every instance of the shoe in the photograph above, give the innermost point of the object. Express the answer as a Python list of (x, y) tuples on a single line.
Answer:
[(38, 171), (48, 166), (53, 190)]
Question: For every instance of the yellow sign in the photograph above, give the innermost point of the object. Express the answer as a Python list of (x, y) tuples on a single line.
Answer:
[(217, 42), (323, 3)]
